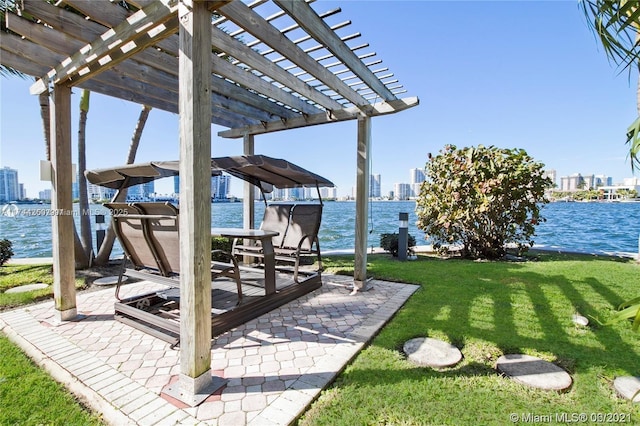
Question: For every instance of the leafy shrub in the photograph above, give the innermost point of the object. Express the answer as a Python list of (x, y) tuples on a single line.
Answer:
[(481, 198), (389, 242), (221, 243), (5, 251)]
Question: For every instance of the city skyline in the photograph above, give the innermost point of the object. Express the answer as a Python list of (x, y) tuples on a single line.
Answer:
[(221, 187), (556, 96)]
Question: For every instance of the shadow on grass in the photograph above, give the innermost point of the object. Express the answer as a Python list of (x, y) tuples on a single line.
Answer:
[(509, 307)]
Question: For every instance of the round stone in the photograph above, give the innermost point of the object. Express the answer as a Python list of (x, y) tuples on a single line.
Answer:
[(27, 287), (628, 387), (534, 372), (580, 320), (110, 280), (432, 352)]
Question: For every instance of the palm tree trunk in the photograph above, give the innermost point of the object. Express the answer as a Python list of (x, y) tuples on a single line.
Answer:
[(107, 245), (85, 219), (43, 98)]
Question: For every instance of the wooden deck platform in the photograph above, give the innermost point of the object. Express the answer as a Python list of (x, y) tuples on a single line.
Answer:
[(158, 313)]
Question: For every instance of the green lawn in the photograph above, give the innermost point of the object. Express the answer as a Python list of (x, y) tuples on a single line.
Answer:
[(488, 309), (17, 275), (29, 396)]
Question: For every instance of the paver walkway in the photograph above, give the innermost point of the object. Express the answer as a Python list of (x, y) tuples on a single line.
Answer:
[(276, 364)]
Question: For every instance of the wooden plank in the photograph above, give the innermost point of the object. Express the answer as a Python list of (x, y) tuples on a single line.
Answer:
[(352, 113), (224, 68), (115, 44), (254, 24), (109, 83), (238, 50), (25, 66), (362, 201), (302, 13), (72, 24), (86, 31), (250, 80), (110, 14), (64, 285), (195, 194)]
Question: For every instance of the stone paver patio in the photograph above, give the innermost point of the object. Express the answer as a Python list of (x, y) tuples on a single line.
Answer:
[(276, 364)]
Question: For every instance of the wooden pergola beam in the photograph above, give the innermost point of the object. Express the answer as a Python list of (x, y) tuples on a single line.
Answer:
[(352, 113)]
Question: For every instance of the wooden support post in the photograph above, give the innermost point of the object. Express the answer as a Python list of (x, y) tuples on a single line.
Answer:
[(195, 382), (248, 209), (249, 198), (362, 202), (64, 284)]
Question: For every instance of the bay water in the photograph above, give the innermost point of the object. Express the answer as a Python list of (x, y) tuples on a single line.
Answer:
[(602, 228)]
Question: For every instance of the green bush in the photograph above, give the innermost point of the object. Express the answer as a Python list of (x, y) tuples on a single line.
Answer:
[(389, 242), (5, 251), (481, 198), (221, 243)]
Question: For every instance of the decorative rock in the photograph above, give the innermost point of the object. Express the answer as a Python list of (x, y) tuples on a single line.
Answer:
[(580, 320), (110, 280), (534, 372), (27, 287), (628, 387), (432, 352)]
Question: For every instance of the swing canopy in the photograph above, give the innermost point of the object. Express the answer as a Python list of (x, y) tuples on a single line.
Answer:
[(259, 170)]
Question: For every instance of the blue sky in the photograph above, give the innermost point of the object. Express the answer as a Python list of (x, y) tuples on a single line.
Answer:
[(512, 74)]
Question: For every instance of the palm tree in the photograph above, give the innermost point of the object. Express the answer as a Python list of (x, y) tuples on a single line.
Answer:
[(617, 25)]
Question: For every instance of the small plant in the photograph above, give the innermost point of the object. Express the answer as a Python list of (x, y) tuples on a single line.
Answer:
[(220, 243), (629, 310), (5, 251), (389, 242)]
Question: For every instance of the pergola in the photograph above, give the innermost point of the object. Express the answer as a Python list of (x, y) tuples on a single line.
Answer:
[(253, 68)]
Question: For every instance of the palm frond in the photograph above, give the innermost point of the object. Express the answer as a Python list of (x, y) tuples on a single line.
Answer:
[(616, 24), (633, 139)]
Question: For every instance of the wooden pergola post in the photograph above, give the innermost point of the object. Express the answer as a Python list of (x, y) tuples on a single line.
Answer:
[(248, 207), (64, 289), (362, 202), (195, 201)]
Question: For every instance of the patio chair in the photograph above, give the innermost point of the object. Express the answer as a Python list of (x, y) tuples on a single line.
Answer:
[(298, 226), (128, 225), (301, 238), (275, 218), (149, 234)]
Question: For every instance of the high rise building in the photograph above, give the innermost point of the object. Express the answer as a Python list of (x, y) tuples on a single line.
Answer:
[(176, 184), (602, 180), (571, 183), (45, 195), (374, 186), (220, 186), (551, 174), (402, 191), (141, 192), (417, 178), (9, 187)]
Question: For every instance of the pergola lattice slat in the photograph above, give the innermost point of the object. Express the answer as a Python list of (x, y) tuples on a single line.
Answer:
[(302, 13), (115, 44), (255, 24)]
